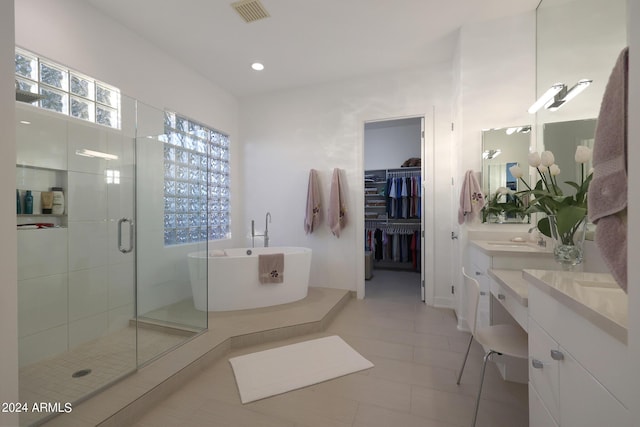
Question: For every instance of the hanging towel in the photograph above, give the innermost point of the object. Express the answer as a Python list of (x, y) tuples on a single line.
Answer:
[(337, 217), (608, 190), (471, 198), (271, 268), (312, 216)]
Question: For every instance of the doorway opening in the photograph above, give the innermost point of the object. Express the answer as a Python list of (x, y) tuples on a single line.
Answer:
[(394, 208)]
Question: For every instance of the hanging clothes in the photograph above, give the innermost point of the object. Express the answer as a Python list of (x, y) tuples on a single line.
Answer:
[(398, 213), (402, 192), (378, 244), (394, 244), (392, 197)]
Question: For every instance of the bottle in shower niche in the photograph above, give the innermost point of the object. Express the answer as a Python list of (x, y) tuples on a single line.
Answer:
[(18, 203), (28, 203), (58, 201)]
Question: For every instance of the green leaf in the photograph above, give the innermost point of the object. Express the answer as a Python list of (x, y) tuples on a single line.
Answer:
[(568, 217), (545, 227), (573, 184)]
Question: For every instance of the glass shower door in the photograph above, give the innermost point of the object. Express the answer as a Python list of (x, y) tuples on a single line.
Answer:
[(76, 297)]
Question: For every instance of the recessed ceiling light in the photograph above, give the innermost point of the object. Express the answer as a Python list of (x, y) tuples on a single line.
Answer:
[(257, 66)]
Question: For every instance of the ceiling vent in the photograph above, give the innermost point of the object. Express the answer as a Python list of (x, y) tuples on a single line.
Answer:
[(250, 10)]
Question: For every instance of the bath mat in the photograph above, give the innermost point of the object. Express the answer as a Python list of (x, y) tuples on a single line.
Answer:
[(278, 370)]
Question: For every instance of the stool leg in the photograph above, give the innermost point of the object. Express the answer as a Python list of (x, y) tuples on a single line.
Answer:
[(464, 362), (484, 366)]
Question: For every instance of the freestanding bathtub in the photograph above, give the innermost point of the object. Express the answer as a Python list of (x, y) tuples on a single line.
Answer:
[(233, 278)]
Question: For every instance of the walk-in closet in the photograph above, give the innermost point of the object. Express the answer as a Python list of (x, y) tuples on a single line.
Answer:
[(394, 204)]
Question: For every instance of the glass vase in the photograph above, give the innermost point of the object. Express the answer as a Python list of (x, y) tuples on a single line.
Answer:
[(568, 246)]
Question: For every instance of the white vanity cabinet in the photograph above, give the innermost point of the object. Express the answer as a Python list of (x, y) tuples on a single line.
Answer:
[(484, 255), (576, 369), (479, 263)]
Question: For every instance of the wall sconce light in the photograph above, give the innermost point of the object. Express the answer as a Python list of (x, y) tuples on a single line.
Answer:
[(549, 95), (519, 129), (558, 95), (567, 95), (90, 153), (491, 154)]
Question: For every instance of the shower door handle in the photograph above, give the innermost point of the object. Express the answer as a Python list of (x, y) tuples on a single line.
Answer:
[(120, 248)]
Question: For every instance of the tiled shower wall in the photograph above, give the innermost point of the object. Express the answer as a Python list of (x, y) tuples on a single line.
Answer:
[(74, 285)]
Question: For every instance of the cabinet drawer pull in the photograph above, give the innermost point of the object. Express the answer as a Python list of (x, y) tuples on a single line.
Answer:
[(483, 293), (501, 297), (536, 363), (557, 355)]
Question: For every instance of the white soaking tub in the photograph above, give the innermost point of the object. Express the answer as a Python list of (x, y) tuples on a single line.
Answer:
[(233, 278)]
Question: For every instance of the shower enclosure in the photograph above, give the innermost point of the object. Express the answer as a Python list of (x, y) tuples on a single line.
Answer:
[(99, 292)]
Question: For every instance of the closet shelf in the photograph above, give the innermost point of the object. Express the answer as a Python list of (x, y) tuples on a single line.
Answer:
[(40, 215), (386, 217)]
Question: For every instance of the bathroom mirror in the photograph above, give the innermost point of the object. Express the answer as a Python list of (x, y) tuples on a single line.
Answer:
[(562, 138), (501, 149)]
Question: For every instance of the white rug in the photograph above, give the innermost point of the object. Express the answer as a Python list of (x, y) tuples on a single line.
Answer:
[(278, 370)]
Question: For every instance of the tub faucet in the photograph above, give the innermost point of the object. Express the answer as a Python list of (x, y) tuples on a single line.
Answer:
[(541, 242), (267, 220)]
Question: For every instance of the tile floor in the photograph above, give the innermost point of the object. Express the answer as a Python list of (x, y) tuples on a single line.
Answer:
[(126, 401), (416, 351)]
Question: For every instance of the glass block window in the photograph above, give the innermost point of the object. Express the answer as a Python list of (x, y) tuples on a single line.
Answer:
[(67, 91), (196, 182)]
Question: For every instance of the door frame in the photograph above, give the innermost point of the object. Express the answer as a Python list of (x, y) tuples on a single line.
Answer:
[(427, 275)]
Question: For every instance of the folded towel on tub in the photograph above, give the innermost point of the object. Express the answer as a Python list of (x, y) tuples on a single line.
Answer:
[(312, 216), (607, 196), (271, 268)]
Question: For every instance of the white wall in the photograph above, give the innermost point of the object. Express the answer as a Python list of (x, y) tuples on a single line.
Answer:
[(75, 34), (8, 260), (497, 85), (387, 144), (498, 80), (322, 127)]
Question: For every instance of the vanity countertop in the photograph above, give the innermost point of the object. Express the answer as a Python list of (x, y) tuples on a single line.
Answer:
[(507, 247), (514, 282), (594, 296)]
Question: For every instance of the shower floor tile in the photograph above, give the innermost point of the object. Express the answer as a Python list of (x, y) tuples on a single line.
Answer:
[(109, 358)]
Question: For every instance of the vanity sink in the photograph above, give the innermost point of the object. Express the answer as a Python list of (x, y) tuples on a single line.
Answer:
[(526, 246), (509, 244)]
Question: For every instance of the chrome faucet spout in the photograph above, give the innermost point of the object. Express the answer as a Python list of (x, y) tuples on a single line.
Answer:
[(253, 233), (267, 220), (541, 242)]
